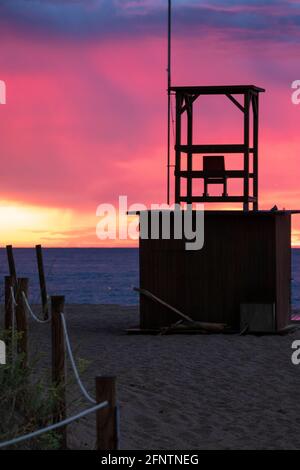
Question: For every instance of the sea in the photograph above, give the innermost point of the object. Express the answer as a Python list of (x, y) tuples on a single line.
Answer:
[(95, 275)]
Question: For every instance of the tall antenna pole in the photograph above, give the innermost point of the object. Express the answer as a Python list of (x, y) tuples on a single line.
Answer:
[(169, 99)]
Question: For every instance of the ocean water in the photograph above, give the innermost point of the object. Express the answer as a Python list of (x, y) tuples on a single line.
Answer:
[(96, 275), (82, 275)]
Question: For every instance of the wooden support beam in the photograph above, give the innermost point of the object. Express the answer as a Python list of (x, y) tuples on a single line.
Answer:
[(191, 99), (189, 142), (255, 105), (156, 299), (201, 174), (246, 150), (236, 102), (218, 199), (178, 143)]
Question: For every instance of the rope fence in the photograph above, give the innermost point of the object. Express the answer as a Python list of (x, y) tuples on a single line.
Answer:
[(105, 404), (31, 311), (73, 364), (52, 427)]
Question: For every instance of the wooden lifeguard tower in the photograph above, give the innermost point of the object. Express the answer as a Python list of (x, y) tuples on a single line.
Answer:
[(242, 275), (243, 272)]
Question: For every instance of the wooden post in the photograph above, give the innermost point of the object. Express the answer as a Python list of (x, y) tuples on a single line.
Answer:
[(189, 105), (42, 279), (255, 106), (106, 423), (178, 148), (58, 365), (21, 319), (11, 263), (8, 313), (246, 150)]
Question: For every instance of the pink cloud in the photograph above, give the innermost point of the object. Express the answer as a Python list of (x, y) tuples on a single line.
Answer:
[(85, 122)]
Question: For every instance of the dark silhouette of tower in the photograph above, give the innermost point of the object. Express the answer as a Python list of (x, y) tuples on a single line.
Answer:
[(215, 171)]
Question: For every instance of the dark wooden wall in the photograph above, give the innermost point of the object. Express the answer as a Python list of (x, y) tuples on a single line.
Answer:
[(283, 270), (246, 258)]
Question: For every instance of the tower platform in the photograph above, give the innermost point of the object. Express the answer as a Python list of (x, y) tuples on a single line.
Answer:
[(246, 258)]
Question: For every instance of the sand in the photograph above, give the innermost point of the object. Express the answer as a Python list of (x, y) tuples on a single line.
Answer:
[(184, 392)]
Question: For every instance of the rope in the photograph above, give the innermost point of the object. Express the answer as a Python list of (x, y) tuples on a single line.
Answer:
[(13, 318), (52, 427), (13, 296), (75, 370), (31, 312)]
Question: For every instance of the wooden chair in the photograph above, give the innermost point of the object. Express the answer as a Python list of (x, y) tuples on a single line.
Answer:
[(214, 172)]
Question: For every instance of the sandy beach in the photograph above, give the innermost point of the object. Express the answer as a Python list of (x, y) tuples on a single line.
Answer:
[(183, 392)]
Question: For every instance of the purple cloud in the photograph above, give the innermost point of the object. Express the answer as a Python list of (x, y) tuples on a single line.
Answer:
[(96, 19)]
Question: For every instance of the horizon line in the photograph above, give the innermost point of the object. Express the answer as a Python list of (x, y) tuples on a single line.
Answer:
[(91, 247)]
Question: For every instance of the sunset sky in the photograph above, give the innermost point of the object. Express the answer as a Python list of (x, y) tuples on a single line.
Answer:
[(85, 119)]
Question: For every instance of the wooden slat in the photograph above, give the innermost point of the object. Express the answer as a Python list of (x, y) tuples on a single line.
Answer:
[(217, 199), (201, 174), (246, 151), (212, 148)]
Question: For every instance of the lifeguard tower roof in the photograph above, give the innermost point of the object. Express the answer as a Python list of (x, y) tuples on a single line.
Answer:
[(218, 89)]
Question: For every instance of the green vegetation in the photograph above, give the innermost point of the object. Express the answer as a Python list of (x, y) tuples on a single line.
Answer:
[(26, 402)]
